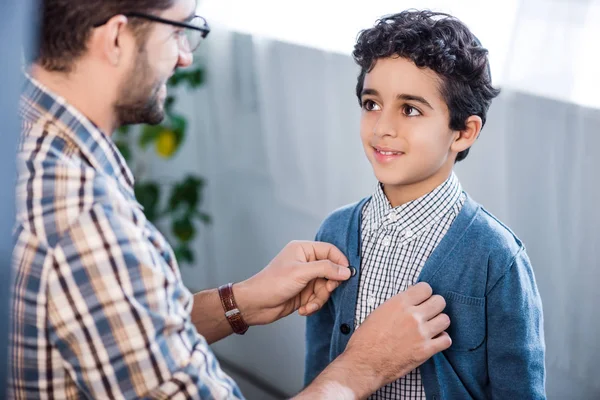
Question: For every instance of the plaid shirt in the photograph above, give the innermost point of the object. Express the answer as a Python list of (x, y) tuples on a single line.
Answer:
[(396, 244), (99, 309)]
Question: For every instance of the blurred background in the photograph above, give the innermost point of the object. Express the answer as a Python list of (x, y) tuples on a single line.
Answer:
[(270, 145)]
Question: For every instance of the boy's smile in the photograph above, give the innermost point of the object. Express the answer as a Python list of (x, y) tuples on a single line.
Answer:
[(386, 154)]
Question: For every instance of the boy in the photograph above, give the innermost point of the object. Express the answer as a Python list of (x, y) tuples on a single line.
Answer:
[(424, 89)]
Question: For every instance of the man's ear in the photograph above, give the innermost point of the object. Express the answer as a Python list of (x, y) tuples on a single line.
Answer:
[(466, 137), (107, 40)]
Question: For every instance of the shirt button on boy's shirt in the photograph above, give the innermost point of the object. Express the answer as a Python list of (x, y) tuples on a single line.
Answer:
[(408, 233), (386, 241), (370, 301)]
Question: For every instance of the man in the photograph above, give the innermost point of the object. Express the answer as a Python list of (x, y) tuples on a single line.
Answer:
[(99, 307)]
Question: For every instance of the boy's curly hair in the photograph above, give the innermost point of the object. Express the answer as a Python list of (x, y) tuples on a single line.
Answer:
[(441, 43)]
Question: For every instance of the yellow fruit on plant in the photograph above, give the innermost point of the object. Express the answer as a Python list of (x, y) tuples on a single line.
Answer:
[(166, 143)]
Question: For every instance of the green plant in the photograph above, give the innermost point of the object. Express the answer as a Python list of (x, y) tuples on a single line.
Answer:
[(185, 197)]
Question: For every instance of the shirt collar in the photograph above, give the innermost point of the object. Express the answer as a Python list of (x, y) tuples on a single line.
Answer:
[(418, 214), (40, 103)]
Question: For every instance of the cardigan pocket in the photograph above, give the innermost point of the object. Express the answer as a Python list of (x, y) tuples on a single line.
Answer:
[(467, 321)]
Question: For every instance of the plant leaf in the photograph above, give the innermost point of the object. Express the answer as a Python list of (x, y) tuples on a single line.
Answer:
[(169, 104), (148, 195), (186, 194), (178, 122), (177, 78), (197, 77), (124, 130), (184, 254), (149, 134), (205, 218), (124, 149), (183, 229)]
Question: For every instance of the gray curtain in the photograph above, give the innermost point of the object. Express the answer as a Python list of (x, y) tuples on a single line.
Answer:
[(15, 29)]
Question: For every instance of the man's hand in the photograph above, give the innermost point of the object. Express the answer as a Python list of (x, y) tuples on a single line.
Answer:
[(396, 338), (407, 330), (301, 277)]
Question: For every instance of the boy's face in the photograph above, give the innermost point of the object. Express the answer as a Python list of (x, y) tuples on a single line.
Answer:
[(405, 124)]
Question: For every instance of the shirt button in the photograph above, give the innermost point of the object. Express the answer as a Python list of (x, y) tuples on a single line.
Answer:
[(370, 301), (386, 241), (393, 217), (352, 271), (345, 329), (408, 233)]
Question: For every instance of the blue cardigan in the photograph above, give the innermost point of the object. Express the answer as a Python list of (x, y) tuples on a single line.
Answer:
[(482, 270)]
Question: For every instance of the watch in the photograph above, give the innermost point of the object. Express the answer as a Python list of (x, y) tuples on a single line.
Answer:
[(232, 313)]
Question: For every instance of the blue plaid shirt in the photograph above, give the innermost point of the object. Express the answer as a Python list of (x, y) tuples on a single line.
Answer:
[(99, 309)]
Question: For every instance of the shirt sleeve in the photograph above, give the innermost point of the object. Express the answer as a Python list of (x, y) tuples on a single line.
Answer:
[(516, 348), (119, 316)]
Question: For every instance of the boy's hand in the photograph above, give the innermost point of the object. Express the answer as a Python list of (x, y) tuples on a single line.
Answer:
[(301, 277)]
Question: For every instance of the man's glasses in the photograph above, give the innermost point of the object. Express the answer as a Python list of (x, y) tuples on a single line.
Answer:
[(192, 32)]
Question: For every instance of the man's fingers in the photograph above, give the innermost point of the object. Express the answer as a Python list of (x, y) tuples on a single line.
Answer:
[(432, 307), (439, 343), (311, 307), (314, 298), (418, 293), (332, 285), (302, 311), (437, 325), (317, 298), (323, 269), (314, 251), (307, 293)]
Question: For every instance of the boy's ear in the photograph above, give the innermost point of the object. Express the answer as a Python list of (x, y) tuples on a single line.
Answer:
[(465, 138)]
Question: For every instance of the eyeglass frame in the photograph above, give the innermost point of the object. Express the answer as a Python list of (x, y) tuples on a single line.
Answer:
[(205, 30)]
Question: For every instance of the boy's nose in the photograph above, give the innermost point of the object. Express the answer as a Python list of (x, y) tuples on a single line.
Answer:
[(384, 127)]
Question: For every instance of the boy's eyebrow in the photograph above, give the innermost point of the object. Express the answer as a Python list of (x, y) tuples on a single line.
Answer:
[(405, 97), (411, 97), (369, 91)]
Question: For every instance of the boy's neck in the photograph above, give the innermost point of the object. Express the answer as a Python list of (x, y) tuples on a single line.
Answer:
[(399, 195)]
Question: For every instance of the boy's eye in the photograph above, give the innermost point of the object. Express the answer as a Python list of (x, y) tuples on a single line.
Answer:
[(410, 111), (370, 105), (179, 32)]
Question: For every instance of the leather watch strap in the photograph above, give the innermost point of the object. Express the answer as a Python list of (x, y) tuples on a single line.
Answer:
[(232, 313)]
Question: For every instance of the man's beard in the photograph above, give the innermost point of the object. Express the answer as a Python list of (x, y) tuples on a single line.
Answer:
[(139, 101)]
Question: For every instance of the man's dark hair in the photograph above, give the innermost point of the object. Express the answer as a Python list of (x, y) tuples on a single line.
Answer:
[(66, 26), (441, 43)]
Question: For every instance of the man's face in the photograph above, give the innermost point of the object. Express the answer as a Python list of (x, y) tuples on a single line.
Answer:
[(404, 123), (143, 89)]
